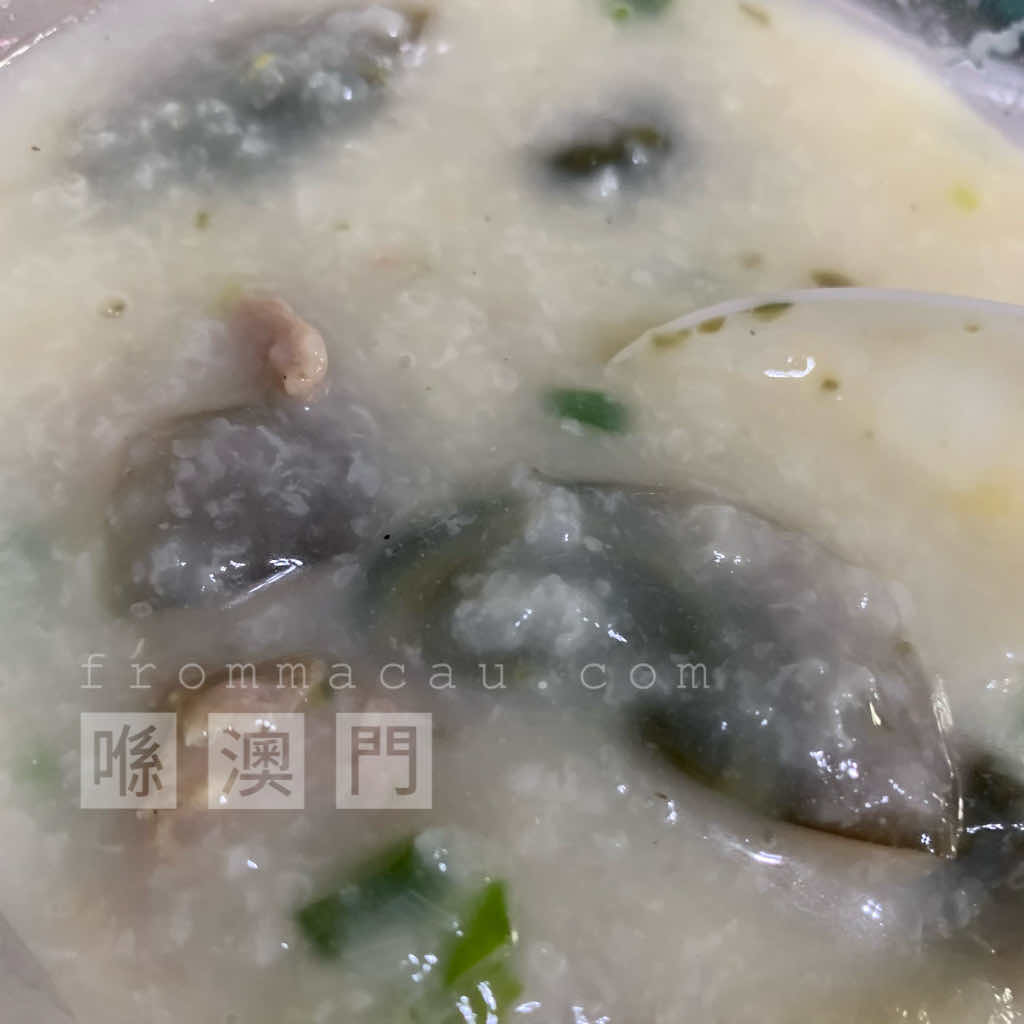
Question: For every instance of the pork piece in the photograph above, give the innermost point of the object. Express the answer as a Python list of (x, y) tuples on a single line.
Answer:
[(294, 350), (283, 685)]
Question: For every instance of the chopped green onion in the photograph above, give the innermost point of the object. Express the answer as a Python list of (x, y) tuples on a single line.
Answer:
[(477, 973), (379, 889), (486, 931), (589, 407), (491, 995), (323, 924), (475, 976)]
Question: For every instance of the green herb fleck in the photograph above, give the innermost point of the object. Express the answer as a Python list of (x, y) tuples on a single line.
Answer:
[(202, 220), (832, 279), (972, 328), (830, 384), (964, 197), (670, 338), (342, 225), (113, 308), (261, 61), (376, 73), (589, 407), (712, 326), (623, 10), (757, 13), (770, 310)]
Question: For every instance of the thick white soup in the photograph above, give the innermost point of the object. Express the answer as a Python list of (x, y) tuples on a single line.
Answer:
[(343, 375)]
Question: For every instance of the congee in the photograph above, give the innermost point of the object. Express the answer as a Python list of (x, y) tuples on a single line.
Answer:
[(581, 374)]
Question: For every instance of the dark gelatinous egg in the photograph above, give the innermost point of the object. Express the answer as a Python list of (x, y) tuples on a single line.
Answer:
[(213, 506), (975, 904), (609, 154), (249, 103), (752, 658), (947, 22)]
